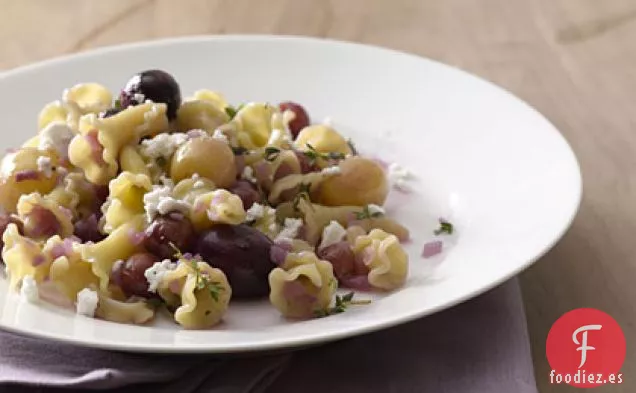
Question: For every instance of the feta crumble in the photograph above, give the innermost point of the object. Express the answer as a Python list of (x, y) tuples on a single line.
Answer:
[(156, 272), (328, 121), (29, 289), (44, 165), (255, 212), (331, 170), (248, 174), (139, 97), (290, 229), (162, 145), (56, 136), (399, 176), (332, 234), (87, 301), (375, 209), (160, 201), (219, 135)]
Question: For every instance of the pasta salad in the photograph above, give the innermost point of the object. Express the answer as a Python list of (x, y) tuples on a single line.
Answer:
[(118, 207)]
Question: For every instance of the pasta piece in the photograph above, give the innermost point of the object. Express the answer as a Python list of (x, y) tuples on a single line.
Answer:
[(213, 97), (263, 218), (200, 115), (89, 97), (303, 290), (384, 223), (130, 160), (32, 142), (29, 211), (217, 207), (125, 200), (137, 312), (322, 139), (254, 124), (68, 271), (190, 188), (203, 292), (97, 148), (58, 111), (293, 182), (118, 245), (384, 256), (21, 172), (23, 257)]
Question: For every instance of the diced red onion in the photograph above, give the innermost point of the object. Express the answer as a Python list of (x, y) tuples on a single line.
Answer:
[(295, 291), (57, 251), (38, 260), (97, 149), (360, 283), (432, 248), (28, 174)]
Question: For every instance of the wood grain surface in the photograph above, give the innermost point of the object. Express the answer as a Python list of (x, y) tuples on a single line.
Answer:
[(574, 60)]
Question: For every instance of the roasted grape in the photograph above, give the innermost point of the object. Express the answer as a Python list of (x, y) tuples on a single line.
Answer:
[(173, 228), (247, 192), (361, 182), (130, 276), (341, 258), (242, 253), (154, 85), (87, 229), (301, 119)]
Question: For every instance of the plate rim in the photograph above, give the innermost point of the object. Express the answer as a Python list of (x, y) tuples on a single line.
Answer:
[(221, 348)]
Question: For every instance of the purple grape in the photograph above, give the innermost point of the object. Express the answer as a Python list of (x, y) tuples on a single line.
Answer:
[(172, 228), (242, 253), (87, 229), (130, 275), (247, 192), (156, 86)]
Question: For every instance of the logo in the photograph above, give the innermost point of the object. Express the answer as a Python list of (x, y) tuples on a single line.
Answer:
[(586, 348)]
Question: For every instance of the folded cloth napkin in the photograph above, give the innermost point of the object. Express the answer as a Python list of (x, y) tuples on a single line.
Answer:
[(479, 346)]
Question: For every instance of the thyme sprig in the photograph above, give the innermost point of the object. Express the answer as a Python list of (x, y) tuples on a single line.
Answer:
[(367, 213), (314, 155), (444, 227), (231, 111), (202, 280), (341, 304), (271, 153)]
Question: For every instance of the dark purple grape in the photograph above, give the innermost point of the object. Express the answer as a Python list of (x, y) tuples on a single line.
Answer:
[(301, 120), (87, 229), (109, 112), (172, 228), (247, 192), (154, 85), (130, 274), (242, 253), (41, 223), (341, 258)]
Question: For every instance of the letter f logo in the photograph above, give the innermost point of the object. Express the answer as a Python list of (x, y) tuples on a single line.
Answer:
[(584, 347)]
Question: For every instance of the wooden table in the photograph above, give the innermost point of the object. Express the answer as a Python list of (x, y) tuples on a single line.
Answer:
[(574, 60)]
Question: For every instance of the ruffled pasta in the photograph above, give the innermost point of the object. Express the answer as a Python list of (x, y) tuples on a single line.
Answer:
[(126, 199), (97, 148), (23, 257), (212, 97), (384, 256), (136, 312), (130, 160), (254, 124), (29, 210), (89, 97), (217, 207), (201, 115), (303, 290), (202, 294), (58, 111), (322, 139), (293, 182), (69, 272), (190, 189), (119, 245)]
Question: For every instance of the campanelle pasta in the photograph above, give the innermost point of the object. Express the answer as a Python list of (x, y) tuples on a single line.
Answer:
[(128, 205)]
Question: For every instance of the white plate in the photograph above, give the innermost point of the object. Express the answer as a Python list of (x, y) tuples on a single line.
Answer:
[(502, 172)]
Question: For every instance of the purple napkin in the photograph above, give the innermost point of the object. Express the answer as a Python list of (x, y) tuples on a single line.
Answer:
[(480, 346)]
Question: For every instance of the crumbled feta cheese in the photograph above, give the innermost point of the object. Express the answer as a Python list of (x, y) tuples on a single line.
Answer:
[(328, 121), (290, 230), (155, 273), (219, 135), (29, 289), (332, 234), (139, 97), (331, 170), (44, 165), (162, 145), (87, 301), (273, 227), (375, 209), (248, 174), (160, 201), (399, 176), (255, 212), (56, 136)]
